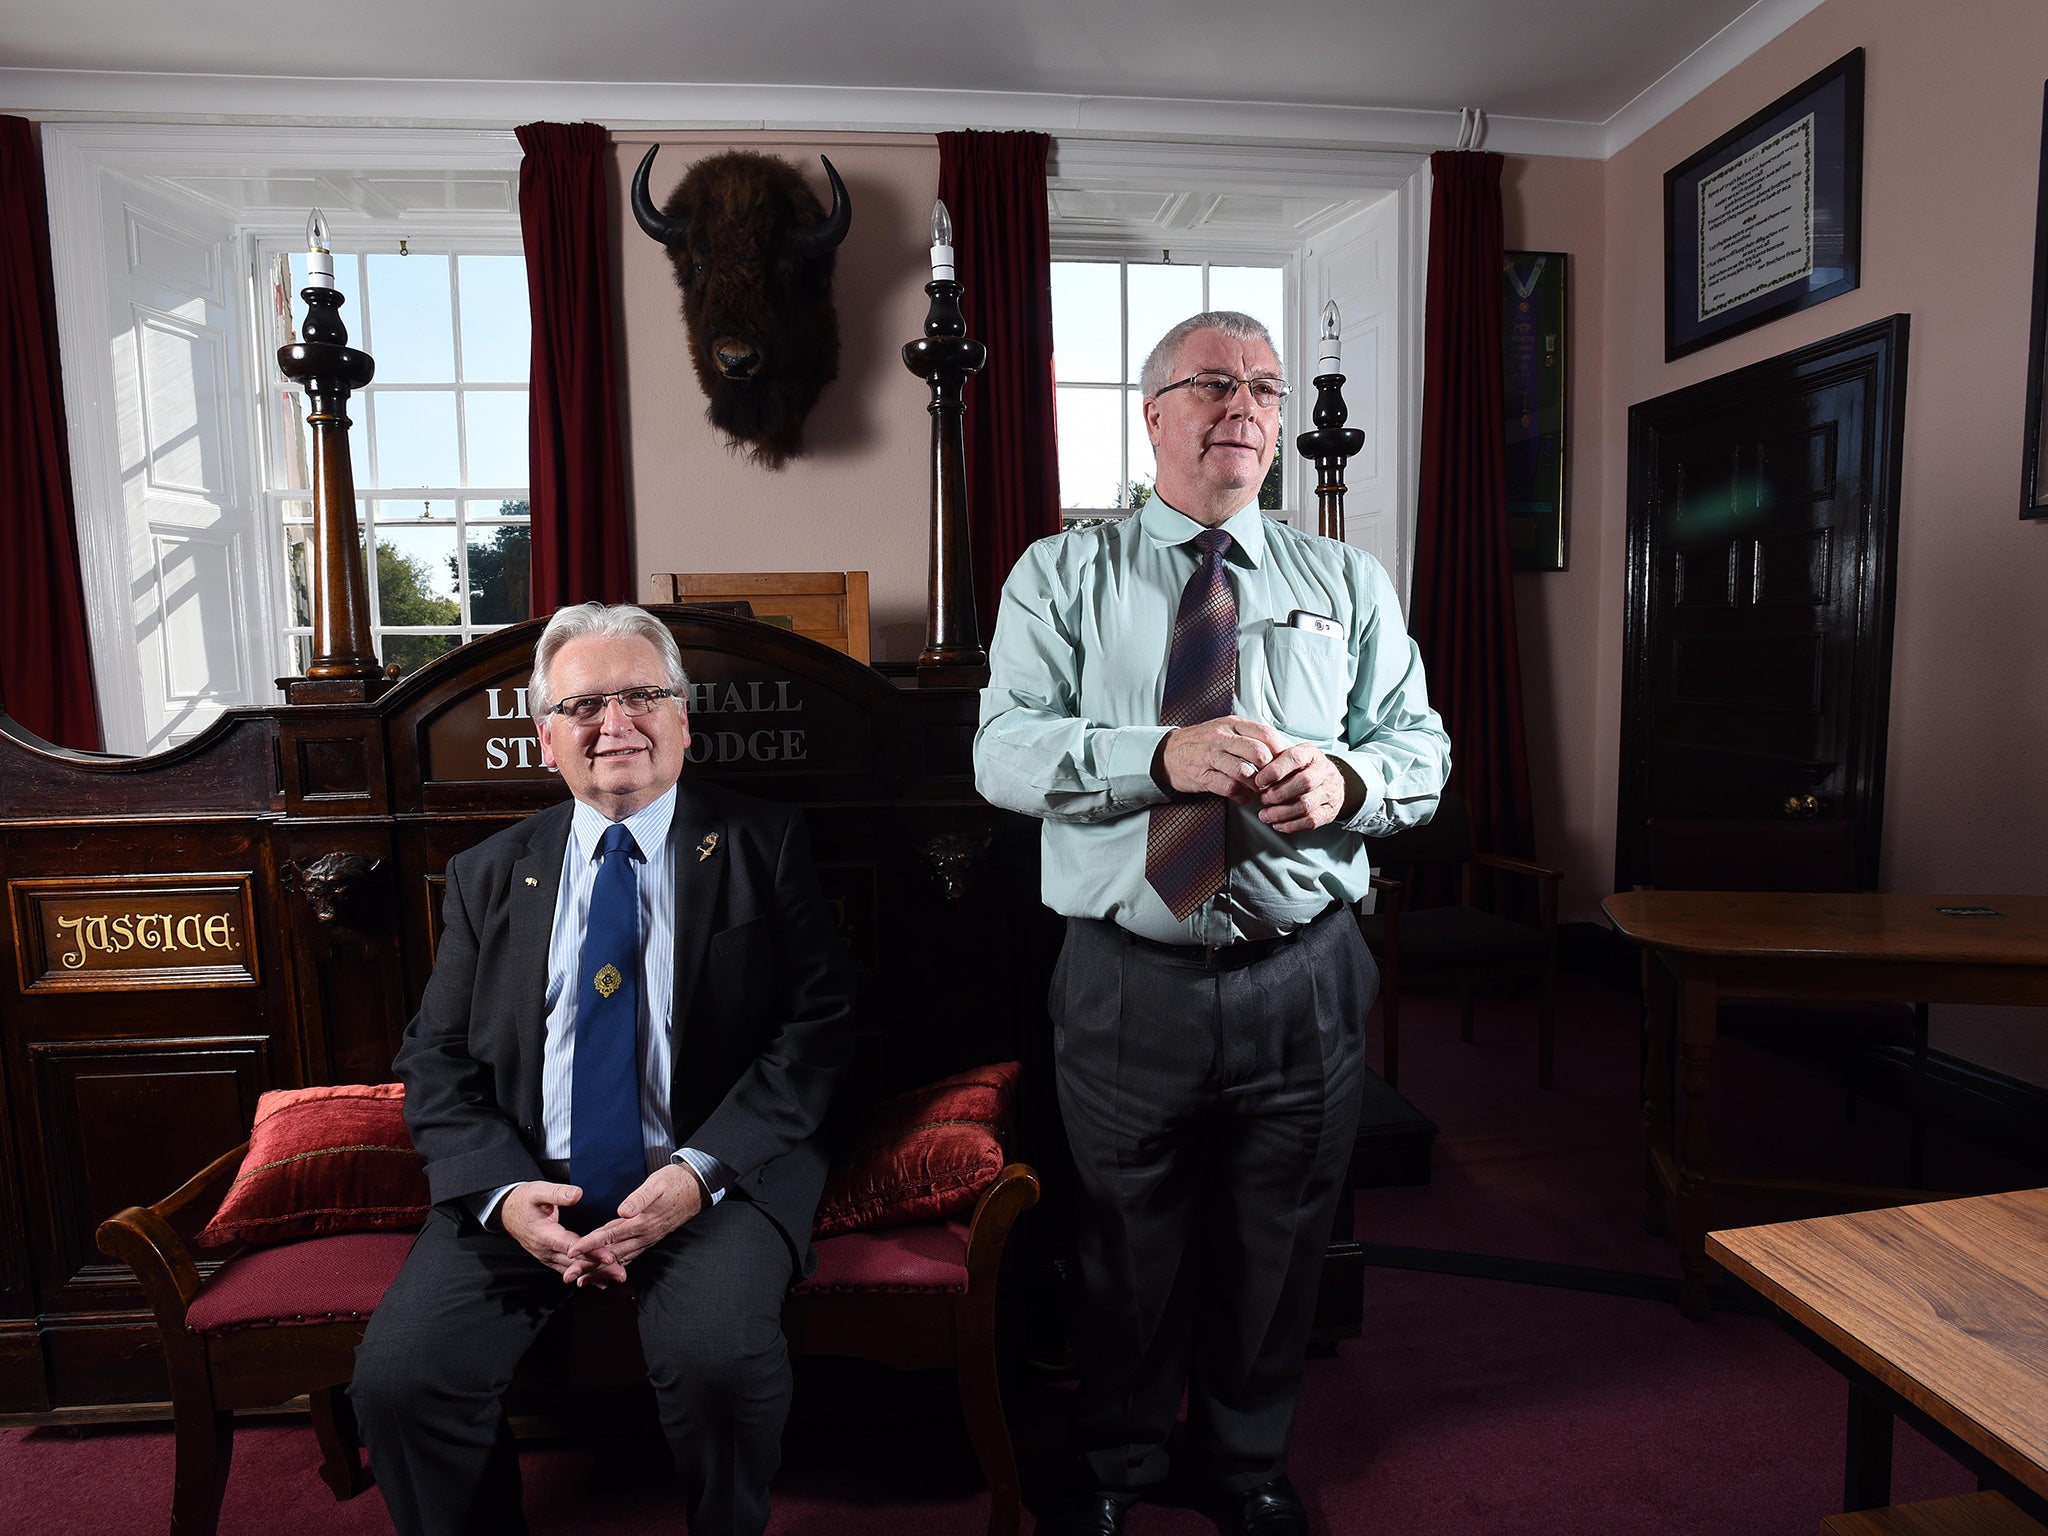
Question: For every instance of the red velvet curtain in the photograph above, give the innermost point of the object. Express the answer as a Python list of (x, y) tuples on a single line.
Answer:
[(1462, 609), (45, 657), (993, 184), (580, 531)]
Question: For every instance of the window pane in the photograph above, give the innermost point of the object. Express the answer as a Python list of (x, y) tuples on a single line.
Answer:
[(497, 436), (412, 326), (416, 576), (496, 325), (414, 437), (1090, 454), (515, 506), (1255, 291), (298, 562), (1143, 466), (411, 652), (1161, 297), (1085, 322), (499, 558)]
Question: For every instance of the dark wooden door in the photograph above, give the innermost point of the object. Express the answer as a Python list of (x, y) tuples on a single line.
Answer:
[(1762, 534)]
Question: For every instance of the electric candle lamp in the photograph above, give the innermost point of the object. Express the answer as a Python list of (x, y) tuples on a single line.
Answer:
[(1332, 358), (319, 260), (942, 244)]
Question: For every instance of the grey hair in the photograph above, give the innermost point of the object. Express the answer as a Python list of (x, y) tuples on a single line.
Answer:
[(616, 621), (1158, 370)]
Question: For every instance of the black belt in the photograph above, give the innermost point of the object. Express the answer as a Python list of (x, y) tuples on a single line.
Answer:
[(1230, 957)]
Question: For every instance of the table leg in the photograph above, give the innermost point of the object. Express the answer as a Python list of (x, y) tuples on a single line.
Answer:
[(1867, 1474), (1660, 999), (1698, 1006)]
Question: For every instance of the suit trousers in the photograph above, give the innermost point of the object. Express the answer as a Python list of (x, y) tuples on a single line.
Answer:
[(1211, 1110), (441, 1347)]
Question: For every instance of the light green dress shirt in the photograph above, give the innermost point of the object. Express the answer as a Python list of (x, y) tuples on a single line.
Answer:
[(1069, 720)]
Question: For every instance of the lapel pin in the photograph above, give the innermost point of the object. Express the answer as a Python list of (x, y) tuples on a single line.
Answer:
[(704, 848), (531, 881)]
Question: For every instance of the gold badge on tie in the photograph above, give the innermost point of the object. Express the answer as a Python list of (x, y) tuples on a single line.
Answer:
[(607, 981), (531, 881), (704, 848)]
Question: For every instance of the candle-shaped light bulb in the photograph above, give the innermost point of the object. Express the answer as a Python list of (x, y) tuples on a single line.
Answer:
[(319, 260), (942, 244), (1331, 359)]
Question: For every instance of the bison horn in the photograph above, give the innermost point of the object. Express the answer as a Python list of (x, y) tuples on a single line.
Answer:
[(820, 238), (670, 232)]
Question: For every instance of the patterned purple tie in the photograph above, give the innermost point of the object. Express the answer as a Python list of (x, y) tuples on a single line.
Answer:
[(1184, 843)]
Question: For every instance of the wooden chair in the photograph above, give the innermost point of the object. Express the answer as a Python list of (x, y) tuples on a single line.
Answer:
[(830, 607), (271, 1324), (1466, 941)]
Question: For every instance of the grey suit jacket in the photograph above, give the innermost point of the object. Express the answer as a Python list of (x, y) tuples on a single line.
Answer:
[(762, 1015)]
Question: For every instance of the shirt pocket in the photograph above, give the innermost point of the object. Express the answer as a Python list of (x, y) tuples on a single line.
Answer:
[(1310, 676)]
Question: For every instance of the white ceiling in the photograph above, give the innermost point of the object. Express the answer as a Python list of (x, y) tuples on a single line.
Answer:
[(1576, 63)]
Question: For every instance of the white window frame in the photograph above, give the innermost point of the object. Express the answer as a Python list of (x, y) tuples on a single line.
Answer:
[(1351, 180), (341, 167), (1206, 254), (351, 237)]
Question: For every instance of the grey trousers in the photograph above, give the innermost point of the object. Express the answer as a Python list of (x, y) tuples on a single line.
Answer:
[(1211, 1114), (441, 1347)]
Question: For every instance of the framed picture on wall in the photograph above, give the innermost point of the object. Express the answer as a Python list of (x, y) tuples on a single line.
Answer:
[(2033, 483), (1768, 219), (1533, 353)]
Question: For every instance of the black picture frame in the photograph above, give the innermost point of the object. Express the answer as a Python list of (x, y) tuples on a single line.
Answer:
[(1535, 375), (2033, 484), (1832, 151)]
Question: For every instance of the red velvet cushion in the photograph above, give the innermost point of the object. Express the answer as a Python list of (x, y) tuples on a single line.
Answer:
[(324, 1160), (317, 1281), (923, 1154), (931, 1257)]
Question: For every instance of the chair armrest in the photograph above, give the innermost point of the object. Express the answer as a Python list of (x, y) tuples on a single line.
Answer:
[(1014, 1192), (1517, 866), (143, 1238)]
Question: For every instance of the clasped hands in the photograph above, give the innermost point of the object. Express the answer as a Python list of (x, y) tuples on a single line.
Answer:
[(531, 1214), (1297, 787)]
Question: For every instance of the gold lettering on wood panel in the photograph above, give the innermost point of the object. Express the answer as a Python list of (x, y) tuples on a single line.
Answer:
[(115, 933), (487, 734)]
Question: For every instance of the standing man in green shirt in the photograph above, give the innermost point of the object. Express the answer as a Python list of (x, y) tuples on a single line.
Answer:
[(1210, 712)]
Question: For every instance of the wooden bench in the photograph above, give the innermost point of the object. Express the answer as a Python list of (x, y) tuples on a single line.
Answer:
[(1969, 1514), (830, 607), (272, 1324)]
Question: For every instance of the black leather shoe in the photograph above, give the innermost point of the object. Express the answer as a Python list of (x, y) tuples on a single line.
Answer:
[(1088, 1514), (1271, 1509)]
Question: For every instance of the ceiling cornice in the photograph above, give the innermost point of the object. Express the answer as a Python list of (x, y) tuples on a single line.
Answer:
[(271, 99)]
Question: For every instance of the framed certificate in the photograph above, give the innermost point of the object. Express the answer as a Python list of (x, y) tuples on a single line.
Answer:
[(1768, 219)]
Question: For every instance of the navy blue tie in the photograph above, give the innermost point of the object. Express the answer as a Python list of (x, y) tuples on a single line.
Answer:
[(606, 1157)]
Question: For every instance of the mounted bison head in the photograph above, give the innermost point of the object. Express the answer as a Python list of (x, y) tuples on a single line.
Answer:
[(753, 253)]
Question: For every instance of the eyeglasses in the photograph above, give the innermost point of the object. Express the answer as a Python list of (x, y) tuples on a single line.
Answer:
[(634, 702), (1212, 386)]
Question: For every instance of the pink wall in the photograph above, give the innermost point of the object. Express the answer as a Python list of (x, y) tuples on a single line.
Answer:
[(1952, 130), (860, 498), (1556, 205)]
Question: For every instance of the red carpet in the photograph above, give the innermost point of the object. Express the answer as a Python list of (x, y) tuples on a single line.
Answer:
[(1470, 1407)]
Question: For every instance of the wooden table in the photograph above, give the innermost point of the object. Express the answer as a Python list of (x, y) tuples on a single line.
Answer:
[(1937, 1311), (1703, 946)]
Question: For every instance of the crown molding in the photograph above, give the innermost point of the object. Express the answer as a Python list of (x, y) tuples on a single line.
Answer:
[(255, 100), (1746, 35)]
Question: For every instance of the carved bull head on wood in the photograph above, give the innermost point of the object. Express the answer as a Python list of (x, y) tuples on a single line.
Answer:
[(753, 251)]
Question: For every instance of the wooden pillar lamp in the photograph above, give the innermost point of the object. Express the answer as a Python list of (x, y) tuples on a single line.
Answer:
[(344, 666), (944, 357), (1332, 442)]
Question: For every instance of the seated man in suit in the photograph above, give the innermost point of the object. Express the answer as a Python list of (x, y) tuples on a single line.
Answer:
[(618, 1073)]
